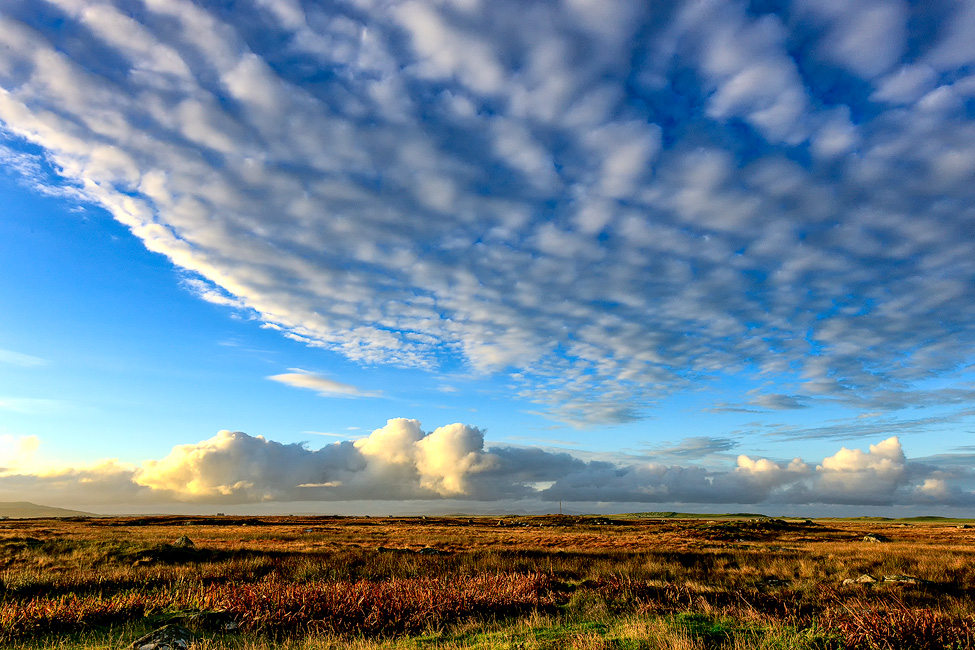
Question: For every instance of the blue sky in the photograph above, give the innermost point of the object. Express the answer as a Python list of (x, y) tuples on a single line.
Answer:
[(372, 255)]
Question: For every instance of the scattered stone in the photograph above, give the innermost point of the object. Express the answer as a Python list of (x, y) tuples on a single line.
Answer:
[(184, 542), (168, 637), (875, 538)]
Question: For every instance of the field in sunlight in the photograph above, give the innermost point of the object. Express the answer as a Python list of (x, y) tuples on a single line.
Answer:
[(511, 582)]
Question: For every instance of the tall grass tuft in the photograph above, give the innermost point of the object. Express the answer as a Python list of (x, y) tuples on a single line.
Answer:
[(893, 625)]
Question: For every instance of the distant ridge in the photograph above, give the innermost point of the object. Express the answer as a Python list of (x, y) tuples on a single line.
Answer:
[(696, 515), (23, 509)]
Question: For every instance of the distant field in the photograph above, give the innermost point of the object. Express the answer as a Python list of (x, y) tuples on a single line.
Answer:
[(647, 580)]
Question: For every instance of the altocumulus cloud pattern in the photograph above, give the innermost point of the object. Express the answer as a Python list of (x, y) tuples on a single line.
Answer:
[(607, 199)]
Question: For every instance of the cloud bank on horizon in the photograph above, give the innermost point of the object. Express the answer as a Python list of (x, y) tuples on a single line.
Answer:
[(608, 200), (401, 462)]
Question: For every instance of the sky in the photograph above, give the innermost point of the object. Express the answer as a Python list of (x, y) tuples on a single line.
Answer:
[(415, 256)]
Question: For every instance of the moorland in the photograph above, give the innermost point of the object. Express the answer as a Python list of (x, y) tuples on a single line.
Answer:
[(586, 582)]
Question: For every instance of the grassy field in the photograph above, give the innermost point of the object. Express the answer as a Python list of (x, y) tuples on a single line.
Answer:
[(647, 580)]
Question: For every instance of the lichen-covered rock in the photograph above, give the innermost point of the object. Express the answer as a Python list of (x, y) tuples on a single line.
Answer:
[(184, 542)]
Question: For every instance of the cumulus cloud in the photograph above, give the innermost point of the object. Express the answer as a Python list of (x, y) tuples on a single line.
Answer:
[(397, 461), (607, 201), (322, 385), (871, 476), (16, 452), (400, 462)]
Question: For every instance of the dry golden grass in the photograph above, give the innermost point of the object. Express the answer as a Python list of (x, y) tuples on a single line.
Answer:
[(291, 577)]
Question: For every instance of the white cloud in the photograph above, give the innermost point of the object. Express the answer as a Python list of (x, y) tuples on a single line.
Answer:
[(954, 49), (777, 401), (232, 466), (448, 455), (866, 37), (872, 476), (397, 461), (17, 452), (695, 447), (322, 385), (611, 203), (400, 462), (906, 85)]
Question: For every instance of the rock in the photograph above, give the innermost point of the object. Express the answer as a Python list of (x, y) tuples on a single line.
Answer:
[(168, 637), (907, 580), (875, 538), (866, 578), (184, 542), (775, 582), (214, 620), (429, 550)]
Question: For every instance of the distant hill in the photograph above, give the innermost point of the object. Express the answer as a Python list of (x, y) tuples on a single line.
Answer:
[(696, 515), (22, 509)]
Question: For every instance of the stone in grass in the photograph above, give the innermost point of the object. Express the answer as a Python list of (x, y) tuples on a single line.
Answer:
[(429, 550), (907, 580), (875, 538), (184, 542), (168, 637), (866, 578)]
